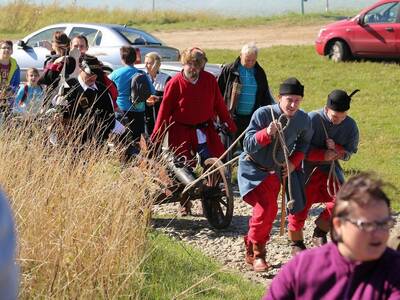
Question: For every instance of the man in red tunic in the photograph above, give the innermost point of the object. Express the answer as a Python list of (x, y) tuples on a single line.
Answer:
[(192, 101)]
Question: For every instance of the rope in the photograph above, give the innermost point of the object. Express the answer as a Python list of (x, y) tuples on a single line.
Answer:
[(281, 140), (283, 210), (209, 172), (332, 174)]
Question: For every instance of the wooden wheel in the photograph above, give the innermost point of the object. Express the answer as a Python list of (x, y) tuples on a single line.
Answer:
[(217, 198)]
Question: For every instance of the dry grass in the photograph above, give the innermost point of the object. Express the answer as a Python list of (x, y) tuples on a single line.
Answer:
[(81, 219)]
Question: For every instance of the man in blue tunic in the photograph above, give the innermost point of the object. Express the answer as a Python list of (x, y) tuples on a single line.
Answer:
[(335, 138), (260, 165)]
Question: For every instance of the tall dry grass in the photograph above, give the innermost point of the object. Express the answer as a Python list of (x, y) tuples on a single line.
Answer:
[(81, 219)]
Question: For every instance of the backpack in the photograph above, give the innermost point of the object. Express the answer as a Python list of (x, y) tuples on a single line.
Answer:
[(25, 94), (141, 88)]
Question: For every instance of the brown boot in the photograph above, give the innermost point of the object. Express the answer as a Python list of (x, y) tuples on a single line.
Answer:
[(185, 207), (259, 263), (297, 242), (249, 251), (320, 232)]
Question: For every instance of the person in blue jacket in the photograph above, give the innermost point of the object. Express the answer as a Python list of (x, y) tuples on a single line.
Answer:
[(261, 167), (8, 269)]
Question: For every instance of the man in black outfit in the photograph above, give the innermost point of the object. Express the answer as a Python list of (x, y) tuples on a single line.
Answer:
[(244, 86), (86, 104)]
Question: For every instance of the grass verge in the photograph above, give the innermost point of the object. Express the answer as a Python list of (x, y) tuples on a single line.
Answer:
[(177, 271)]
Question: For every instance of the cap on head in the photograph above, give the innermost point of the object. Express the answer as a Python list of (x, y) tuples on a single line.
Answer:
[(338, 100), (90, 65), (291, 86)]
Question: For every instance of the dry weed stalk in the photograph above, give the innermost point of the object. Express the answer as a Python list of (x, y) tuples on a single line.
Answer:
[(81, 219)]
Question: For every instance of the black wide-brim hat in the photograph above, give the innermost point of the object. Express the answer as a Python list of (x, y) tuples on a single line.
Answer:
[(90, 65), (338, 100), (291, 86)]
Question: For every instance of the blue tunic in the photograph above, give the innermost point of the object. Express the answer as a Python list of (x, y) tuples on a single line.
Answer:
[(345, 134), (297, 137)]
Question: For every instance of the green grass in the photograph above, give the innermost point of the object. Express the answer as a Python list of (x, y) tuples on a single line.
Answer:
[(376, 107), (27, 17), (174, 267)]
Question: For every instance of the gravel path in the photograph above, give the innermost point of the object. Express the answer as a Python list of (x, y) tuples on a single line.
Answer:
[(227, 246)]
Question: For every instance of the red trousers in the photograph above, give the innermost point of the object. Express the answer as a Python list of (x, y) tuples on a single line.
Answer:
[(316, 192), (263, 199)]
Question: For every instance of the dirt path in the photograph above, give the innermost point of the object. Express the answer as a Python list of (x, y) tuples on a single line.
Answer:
[(235, 38)]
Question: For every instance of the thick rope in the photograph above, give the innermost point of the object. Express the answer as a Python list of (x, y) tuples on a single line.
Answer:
[(281, 140), (332, 174)]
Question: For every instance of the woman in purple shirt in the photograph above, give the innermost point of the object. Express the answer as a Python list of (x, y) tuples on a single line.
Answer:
[(357, 264)]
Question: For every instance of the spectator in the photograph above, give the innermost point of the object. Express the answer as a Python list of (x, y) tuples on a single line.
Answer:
[(80, 42), (244, 86), (191, 101), (54, 62), (86, 98), (335, 138), (357, 264), (122, 77), (152, 61), (8, 268), (260, 171), (9, 77), (54, 66), (30, 95)]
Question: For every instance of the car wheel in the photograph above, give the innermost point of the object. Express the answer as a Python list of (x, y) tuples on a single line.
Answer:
[(339, 51)]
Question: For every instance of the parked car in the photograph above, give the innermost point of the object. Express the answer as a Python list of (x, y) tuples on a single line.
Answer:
[(105, 40), (373, 33), (173, 67)]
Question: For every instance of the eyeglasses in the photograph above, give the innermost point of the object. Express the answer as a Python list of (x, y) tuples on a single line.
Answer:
[(5, 48), (385, 224)]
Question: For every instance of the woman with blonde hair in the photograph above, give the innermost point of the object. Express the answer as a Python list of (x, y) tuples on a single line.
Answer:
[(152, 61)]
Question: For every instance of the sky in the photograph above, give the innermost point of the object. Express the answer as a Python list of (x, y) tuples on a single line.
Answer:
[(222, 7)]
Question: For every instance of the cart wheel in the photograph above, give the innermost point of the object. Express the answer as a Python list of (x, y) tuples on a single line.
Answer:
[(217, 198)]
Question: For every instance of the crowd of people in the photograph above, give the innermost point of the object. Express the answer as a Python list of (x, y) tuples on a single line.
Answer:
[(281, 148)]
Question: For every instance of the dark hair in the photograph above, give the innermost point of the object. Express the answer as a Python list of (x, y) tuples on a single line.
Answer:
[(7, 42), (81, 37), (128, 54), (360, 190)]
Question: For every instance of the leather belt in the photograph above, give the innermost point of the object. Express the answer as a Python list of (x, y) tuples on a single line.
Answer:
[(258, 166), (197, 126)]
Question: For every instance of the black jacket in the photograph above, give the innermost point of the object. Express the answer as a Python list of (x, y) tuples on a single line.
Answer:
[(230, 74), (94, 107)]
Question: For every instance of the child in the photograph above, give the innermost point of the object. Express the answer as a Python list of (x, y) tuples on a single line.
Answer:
[(30, 95), (9, 76)]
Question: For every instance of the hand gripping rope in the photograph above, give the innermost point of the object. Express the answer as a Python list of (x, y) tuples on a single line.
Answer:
[(281, 140), (332, 177)]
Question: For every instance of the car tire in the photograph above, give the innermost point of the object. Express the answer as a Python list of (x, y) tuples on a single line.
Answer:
[(339, 51)]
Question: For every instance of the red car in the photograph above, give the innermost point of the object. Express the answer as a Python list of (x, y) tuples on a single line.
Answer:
[(374, 33)]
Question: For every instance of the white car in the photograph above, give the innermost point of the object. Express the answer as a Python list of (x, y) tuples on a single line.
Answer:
[(105, 40), (173, 67)]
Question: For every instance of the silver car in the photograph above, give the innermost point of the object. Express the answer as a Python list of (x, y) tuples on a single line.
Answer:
[(105, 40), (173, 67)]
